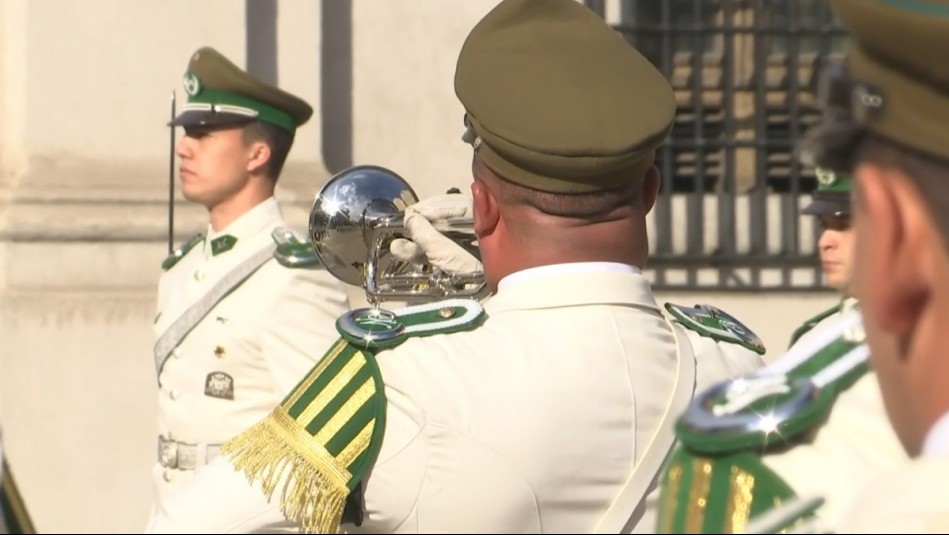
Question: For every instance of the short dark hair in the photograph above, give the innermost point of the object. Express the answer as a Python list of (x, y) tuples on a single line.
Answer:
[(930, 174), (593, 206), (279, 141)]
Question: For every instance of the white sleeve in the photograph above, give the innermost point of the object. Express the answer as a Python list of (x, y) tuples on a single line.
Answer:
[(219, 499)]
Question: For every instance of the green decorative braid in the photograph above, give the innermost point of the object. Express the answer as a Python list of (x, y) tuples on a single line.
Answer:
[(265, 112)]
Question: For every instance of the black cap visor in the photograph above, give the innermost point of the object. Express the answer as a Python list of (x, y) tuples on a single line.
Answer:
[(210, 118)]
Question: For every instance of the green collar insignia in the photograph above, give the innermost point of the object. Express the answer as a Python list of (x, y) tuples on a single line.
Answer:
[(320, 442), (222, 244), (180, 252)]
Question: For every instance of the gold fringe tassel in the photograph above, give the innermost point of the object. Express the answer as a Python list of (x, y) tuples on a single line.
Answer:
[(278, 452)]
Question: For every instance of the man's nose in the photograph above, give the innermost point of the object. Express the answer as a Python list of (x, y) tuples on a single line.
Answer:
[(183, 147)]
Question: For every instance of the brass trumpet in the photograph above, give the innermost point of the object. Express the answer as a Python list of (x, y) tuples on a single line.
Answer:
[(354, 218)]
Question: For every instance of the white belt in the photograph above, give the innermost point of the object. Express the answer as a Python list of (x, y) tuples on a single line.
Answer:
[(184, 456)]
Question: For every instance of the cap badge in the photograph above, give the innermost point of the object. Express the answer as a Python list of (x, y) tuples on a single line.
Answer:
[(826, 177), (192, 84)]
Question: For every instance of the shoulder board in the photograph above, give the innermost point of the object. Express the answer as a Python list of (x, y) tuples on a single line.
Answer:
[(292, 250), (782, 401), (811, 323), (318, 445), (181, 251), (715, 323), (732, 493), (375, 328)]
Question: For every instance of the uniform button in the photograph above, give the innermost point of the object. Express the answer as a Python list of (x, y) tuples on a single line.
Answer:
[(166, 475), (177, 353), (174, 394), (198, 275)]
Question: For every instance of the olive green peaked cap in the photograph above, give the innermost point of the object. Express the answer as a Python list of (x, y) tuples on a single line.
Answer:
[(898, 62), (220, 93), (557, 101), (832, 195)]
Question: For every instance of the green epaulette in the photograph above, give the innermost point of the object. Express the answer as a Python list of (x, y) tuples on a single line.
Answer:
[(293, 251), (181, 251), (716, 480), (320, 442), (717, 324), (811, 323)]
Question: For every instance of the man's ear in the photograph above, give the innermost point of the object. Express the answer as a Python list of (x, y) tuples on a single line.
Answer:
[(896, 239), (651, 188), (259, 155), (486, 212)]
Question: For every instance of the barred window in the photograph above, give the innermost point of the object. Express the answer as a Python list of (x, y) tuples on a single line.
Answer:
[(743, 72)]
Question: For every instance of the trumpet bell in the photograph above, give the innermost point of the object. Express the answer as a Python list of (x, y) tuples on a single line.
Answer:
[(347, 211), (354, 219)]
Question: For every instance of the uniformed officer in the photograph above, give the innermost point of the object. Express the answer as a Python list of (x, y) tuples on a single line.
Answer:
[(892, 129), (831, 206), (737, 459), (548, 409), (885, 122), (243, 309)]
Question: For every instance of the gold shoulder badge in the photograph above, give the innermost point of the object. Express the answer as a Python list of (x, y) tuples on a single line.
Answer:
[(717, 324), (320, 442), (180, 252)]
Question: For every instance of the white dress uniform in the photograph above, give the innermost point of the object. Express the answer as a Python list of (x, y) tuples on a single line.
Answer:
[(246, 354), (531, 422), (844, 455), (855, 445), (815, 324), (911, 499)]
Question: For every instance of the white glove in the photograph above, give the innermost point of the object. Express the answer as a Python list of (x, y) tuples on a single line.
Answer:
[(425, 245)]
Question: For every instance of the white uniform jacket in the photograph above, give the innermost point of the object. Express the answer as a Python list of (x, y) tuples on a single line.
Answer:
[(247, 353), (913, 498), (530, 423)]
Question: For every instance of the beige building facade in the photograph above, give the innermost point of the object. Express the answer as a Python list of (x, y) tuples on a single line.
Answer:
[(85, 92)]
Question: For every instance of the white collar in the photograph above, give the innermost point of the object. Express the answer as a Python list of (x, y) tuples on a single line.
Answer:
[(525, 275), (937, 439)]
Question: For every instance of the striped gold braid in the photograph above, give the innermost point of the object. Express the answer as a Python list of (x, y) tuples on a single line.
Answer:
[(317, 445)]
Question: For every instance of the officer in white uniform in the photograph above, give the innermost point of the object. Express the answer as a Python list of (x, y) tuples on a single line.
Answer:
[(831, 207), (848, 444), (244, 309), (890, 128), (537, 412)]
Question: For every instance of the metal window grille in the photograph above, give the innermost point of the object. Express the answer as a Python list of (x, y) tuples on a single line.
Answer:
[(728, 216)]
